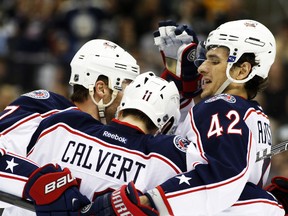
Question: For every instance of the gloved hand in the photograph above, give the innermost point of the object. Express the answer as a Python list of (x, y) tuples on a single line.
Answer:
[(54, 192), (124, 201), (279, 188), (177, 45)]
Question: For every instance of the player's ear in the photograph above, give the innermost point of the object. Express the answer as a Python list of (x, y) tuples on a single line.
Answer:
[(100, 88), (245, 70)]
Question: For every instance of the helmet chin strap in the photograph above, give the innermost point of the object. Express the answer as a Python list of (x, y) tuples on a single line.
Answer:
[(101, 106), (230, 79), (223, 87), (227, 81)]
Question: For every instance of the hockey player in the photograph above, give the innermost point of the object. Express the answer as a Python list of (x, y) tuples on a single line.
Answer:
[(100, 70), (178, 45), (228, 128), (107, 156), (182, 55)]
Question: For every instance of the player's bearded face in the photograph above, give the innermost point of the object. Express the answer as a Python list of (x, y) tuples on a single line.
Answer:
[(213, 70)]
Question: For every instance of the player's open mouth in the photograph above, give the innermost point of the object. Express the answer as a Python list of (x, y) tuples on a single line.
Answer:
[(205, 81)]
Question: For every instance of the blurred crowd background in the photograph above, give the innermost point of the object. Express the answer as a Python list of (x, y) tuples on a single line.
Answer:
[(38, 39)]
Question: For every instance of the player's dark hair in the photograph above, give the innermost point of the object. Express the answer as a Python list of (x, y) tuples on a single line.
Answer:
[(256, 84), (81, 94), (142, 117)]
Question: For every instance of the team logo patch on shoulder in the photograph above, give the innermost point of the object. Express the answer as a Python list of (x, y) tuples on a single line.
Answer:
[(181, 143), (38, 94), (225, 97)]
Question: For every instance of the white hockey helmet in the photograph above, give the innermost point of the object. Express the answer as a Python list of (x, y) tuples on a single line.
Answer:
[(102, 57), (155, 97), (245, 36)]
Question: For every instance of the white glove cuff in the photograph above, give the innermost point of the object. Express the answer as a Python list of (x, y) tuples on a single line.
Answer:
[(158, 201)]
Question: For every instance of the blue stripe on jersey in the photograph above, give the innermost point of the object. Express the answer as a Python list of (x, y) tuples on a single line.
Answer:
[(15, 165)]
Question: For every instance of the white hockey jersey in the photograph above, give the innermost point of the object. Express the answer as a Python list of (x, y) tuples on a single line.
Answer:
[(18, 122), (104, 157), (20, 119)]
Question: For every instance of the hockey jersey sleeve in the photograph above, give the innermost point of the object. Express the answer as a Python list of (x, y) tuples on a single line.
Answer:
[(21, 118), (14, 172), (221, 166)]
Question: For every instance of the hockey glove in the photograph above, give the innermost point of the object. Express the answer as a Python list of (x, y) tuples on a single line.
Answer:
[(54, 192), (279, 188), (178, 45), (124, 201)]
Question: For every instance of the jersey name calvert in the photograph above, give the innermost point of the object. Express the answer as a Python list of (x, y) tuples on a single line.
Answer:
[(106, 156), (93, 158)]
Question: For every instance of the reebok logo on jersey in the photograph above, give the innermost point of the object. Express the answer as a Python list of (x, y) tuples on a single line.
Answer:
[(115, 137), (38, 94), (225, 97)]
